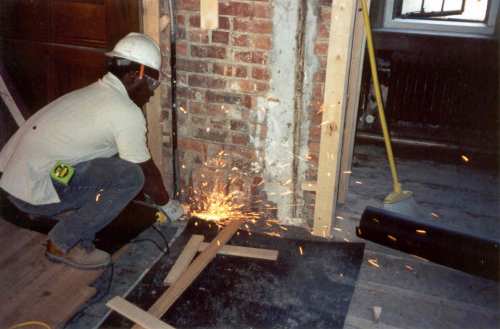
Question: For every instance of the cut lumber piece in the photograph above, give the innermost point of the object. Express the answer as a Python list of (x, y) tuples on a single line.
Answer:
[(259, 253), (10, 103), (184, 259), (209, 14), (151, 27), (169, 297), (135, 314), (355, 77), (335, 104)]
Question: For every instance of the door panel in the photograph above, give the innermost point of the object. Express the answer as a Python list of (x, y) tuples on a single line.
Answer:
[(51, 47)]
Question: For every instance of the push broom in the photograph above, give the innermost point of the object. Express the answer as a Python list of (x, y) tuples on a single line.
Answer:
[(398, 200)]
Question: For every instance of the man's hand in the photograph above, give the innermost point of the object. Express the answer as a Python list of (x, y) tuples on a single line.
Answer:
[(153, 185)]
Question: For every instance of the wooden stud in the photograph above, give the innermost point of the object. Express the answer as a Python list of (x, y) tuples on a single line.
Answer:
[(209, 14), (355, 77), (184, 259), (169, 297), (151, 27), (10, 103), (258, 253), (135, 314), (335, 99)]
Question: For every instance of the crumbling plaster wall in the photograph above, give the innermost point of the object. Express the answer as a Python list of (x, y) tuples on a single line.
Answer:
[(250, 93)]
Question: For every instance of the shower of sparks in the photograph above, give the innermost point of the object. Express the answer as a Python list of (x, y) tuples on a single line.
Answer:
[(433, 214), (339, 217), (392, 238), (214, 201), (347, 240), (422, 232), (409, 268), (337, 229), (373, 262), (301, 251), (182, 109), (465, 158), (97, 197), (358, 182)]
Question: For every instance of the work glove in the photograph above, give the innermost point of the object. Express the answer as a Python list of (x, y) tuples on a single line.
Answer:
[(173, 209)]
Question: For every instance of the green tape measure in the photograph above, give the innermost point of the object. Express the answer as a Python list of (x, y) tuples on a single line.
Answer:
[(62, 173)]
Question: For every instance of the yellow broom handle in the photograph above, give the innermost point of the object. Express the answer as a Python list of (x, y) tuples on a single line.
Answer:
[(378, 96)]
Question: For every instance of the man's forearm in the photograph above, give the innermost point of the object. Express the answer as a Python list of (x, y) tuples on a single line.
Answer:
[(153, 185)]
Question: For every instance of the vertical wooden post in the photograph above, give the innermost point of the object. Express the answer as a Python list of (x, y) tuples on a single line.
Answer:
[(334, 106), (355, 76), (151, 27), (209, 14)]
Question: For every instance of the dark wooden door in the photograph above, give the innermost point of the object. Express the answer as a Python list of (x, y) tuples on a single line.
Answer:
[(50, 47)]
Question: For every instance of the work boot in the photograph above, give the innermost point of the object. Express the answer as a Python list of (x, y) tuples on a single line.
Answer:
[(79, 257)]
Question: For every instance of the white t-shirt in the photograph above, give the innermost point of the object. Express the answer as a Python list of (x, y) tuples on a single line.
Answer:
[(97, 121)]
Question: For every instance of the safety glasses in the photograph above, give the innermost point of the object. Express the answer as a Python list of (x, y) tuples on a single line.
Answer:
[(152, 83)]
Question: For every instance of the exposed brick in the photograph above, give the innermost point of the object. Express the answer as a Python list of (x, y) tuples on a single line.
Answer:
[(253, 26), (262, 42), (206, 82), (188, 5), (194, 21), (254, 57), (240, 139), (191, 65), (324, 31), (230, 70), (218, 123), (189, 93), (224, 23), (245, 86), (211, 134), (321, 48), (181, 48), (262, 10), (208, 51), (195, 107), (319, 76), (199, 36), (192, 145), (220, 37), (260, 73), (229, 98), (240, 126), (241, 40), (199, 121), (240, 9), (215, 110), (262, 86), (181, 19)]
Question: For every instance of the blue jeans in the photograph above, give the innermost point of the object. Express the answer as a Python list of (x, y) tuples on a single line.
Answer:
[(96, 194)]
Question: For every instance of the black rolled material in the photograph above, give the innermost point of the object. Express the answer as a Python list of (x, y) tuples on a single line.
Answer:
[(472, 254)]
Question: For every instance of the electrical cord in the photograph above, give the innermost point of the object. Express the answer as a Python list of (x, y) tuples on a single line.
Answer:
[(31, 323)]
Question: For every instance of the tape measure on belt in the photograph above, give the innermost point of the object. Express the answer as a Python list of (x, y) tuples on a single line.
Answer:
[(62, 173)]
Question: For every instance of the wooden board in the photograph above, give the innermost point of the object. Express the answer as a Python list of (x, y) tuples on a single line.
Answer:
[(184, 259), (258, 253), (355, 77), (169, 297), (10, 103), (335, 100), (151, 27), (135, 314), (33, 288), (209, 14)]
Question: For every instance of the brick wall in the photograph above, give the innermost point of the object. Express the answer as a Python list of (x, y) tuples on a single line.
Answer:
[(220, 74)]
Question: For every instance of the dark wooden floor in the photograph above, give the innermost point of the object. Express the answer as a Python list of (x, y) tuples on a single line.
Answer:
[(34, 288)]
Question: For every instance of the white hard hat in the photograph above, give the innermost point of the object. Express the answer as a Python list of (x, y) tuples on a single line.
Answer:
[(139, 48)]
